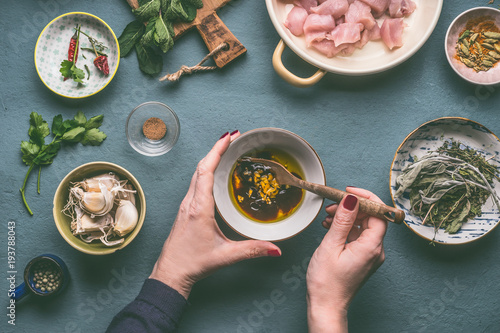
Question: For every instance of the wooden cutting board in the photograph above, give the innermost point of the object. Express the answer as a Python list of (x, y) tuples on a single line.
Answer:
[(212, 30)]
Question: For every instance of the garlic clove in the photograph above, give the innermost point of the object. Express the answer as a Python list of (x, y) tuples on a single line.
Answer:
[(127, 193), (110, 180), (126, 218), (94, 202)]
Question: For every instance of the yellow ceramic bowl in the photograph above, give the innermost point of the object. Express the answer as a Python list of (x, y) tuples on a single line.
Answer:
[(61, 198)]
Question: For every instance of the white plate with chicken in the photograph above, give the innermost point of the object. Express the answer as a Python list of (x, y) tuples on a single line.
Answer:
[(351, 37)]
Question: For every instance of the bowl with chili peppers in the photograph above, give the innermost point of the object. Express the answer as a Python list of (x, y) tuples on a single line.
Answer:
[(472, 45), (77, 55)]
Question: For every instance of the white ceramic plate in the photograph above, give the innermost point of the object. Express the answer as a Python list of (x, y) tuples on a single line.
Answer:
[(375, 56), (310, 164), (52, 48), (430, 136), (454, 31)]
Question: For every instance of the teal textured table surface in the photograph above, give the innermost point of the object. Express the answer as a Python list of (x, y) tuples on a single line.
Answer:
[(354, 123)]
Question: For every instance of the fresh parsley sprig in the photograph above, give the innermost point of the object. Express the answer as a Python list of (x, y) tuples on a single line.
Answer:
[(36, 153)]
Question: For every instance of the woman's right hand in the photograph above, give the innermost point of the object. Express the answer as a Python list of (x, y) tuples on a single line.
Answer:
[(350, 252)]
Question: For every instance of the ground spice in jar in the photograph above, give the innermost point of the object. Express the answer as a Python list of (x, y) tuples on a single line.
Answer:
[(154, 128)]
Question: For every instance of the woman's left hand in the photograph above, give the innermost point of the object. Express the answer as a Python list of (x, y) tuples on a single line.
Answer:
[(196, 247)]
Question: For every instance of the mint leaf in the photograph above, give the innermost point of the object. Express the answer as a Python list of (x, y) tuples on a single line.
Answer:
[(149, 61), (130, 35), (194, 3), (30, 151), (66, 68), (93, 137), (163, 37), (80, 118), (148, 37), (164, 5), (147, 10), (94, 122), (74, 135)]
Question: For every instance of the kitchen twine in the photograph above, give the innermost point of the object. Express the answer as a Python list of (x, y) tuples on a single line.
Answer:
[(198, 67)]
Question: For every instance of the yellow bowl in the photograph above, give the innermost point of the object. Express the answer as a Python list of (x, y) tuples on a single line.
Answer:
[(61, 198)]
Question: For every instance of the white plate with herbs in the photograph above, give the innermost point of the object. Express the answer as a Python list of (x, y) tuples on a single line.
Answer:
[(52, 49), (433, 182)]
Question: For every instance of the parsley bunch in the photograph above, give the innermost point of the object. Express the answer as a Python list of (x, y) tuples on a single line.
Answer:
[(37, 153)]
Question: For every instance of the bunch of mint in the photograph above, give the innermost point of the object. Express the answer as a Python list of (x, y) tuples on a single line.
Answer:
[(37, 153), (154, 29)]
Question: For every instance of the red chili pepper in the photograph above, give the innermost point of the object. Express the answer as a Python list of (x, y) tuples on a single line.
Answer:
[(101, 62), (71, 49)]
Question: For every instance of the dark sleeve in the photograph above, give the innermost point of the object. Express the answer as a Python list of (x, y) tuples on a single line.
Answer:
[(157, 308)]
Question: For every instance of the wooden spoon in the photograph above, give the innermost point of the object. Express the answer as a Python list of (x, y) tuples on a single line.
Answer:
[(372, 208)]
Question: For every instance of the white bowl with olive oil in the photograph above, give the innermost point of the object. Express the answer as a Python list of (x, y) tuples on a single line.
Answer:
[(287, 148)]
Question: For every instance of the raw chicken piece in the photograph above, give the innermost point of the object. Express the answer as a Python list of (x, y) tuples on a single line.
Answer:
[(327, 47), (348, 50), (340, 20), (346, 33), (306, 4), (378, 6), (316, 27), (392, 32), (400, 8), (369, 35), (336, 8), (295, 20), (359, 12)]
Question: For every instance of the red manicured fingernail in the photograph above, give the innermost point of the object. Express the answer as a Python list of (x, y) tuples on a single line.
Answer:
[(351, 186), (350, 202), (274, 253), (224, 135), (330, 205), (234, 132)]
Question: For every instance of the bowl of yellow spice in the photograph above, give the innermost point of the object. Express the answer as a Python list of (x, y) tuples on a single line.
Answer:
[(152, 128), (472, 45)]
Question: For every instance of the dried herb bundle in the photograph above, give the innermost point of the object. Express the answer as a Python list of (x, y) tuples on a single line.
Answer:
[(449, 186)]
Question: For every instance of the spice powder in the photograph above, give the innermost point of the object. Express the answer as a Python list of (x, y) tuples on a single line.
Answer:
[(154, 128)]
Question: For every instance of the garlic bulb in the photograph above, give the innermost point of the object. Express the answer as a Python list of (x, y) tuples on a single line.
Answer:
[(102, 208), (126, 218)]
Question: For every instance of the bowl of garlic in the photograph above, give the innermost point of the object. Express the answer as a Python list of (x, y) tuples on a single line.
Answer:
[(99, 208)]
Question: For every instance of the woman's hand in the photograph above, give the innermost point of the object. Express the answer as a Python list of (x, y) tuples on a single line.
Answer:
[(196, 247), (350, 252)]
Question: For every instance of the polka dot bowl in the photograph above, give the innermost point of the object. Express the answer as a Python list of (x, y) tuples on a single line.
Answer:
[(52, 48)]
